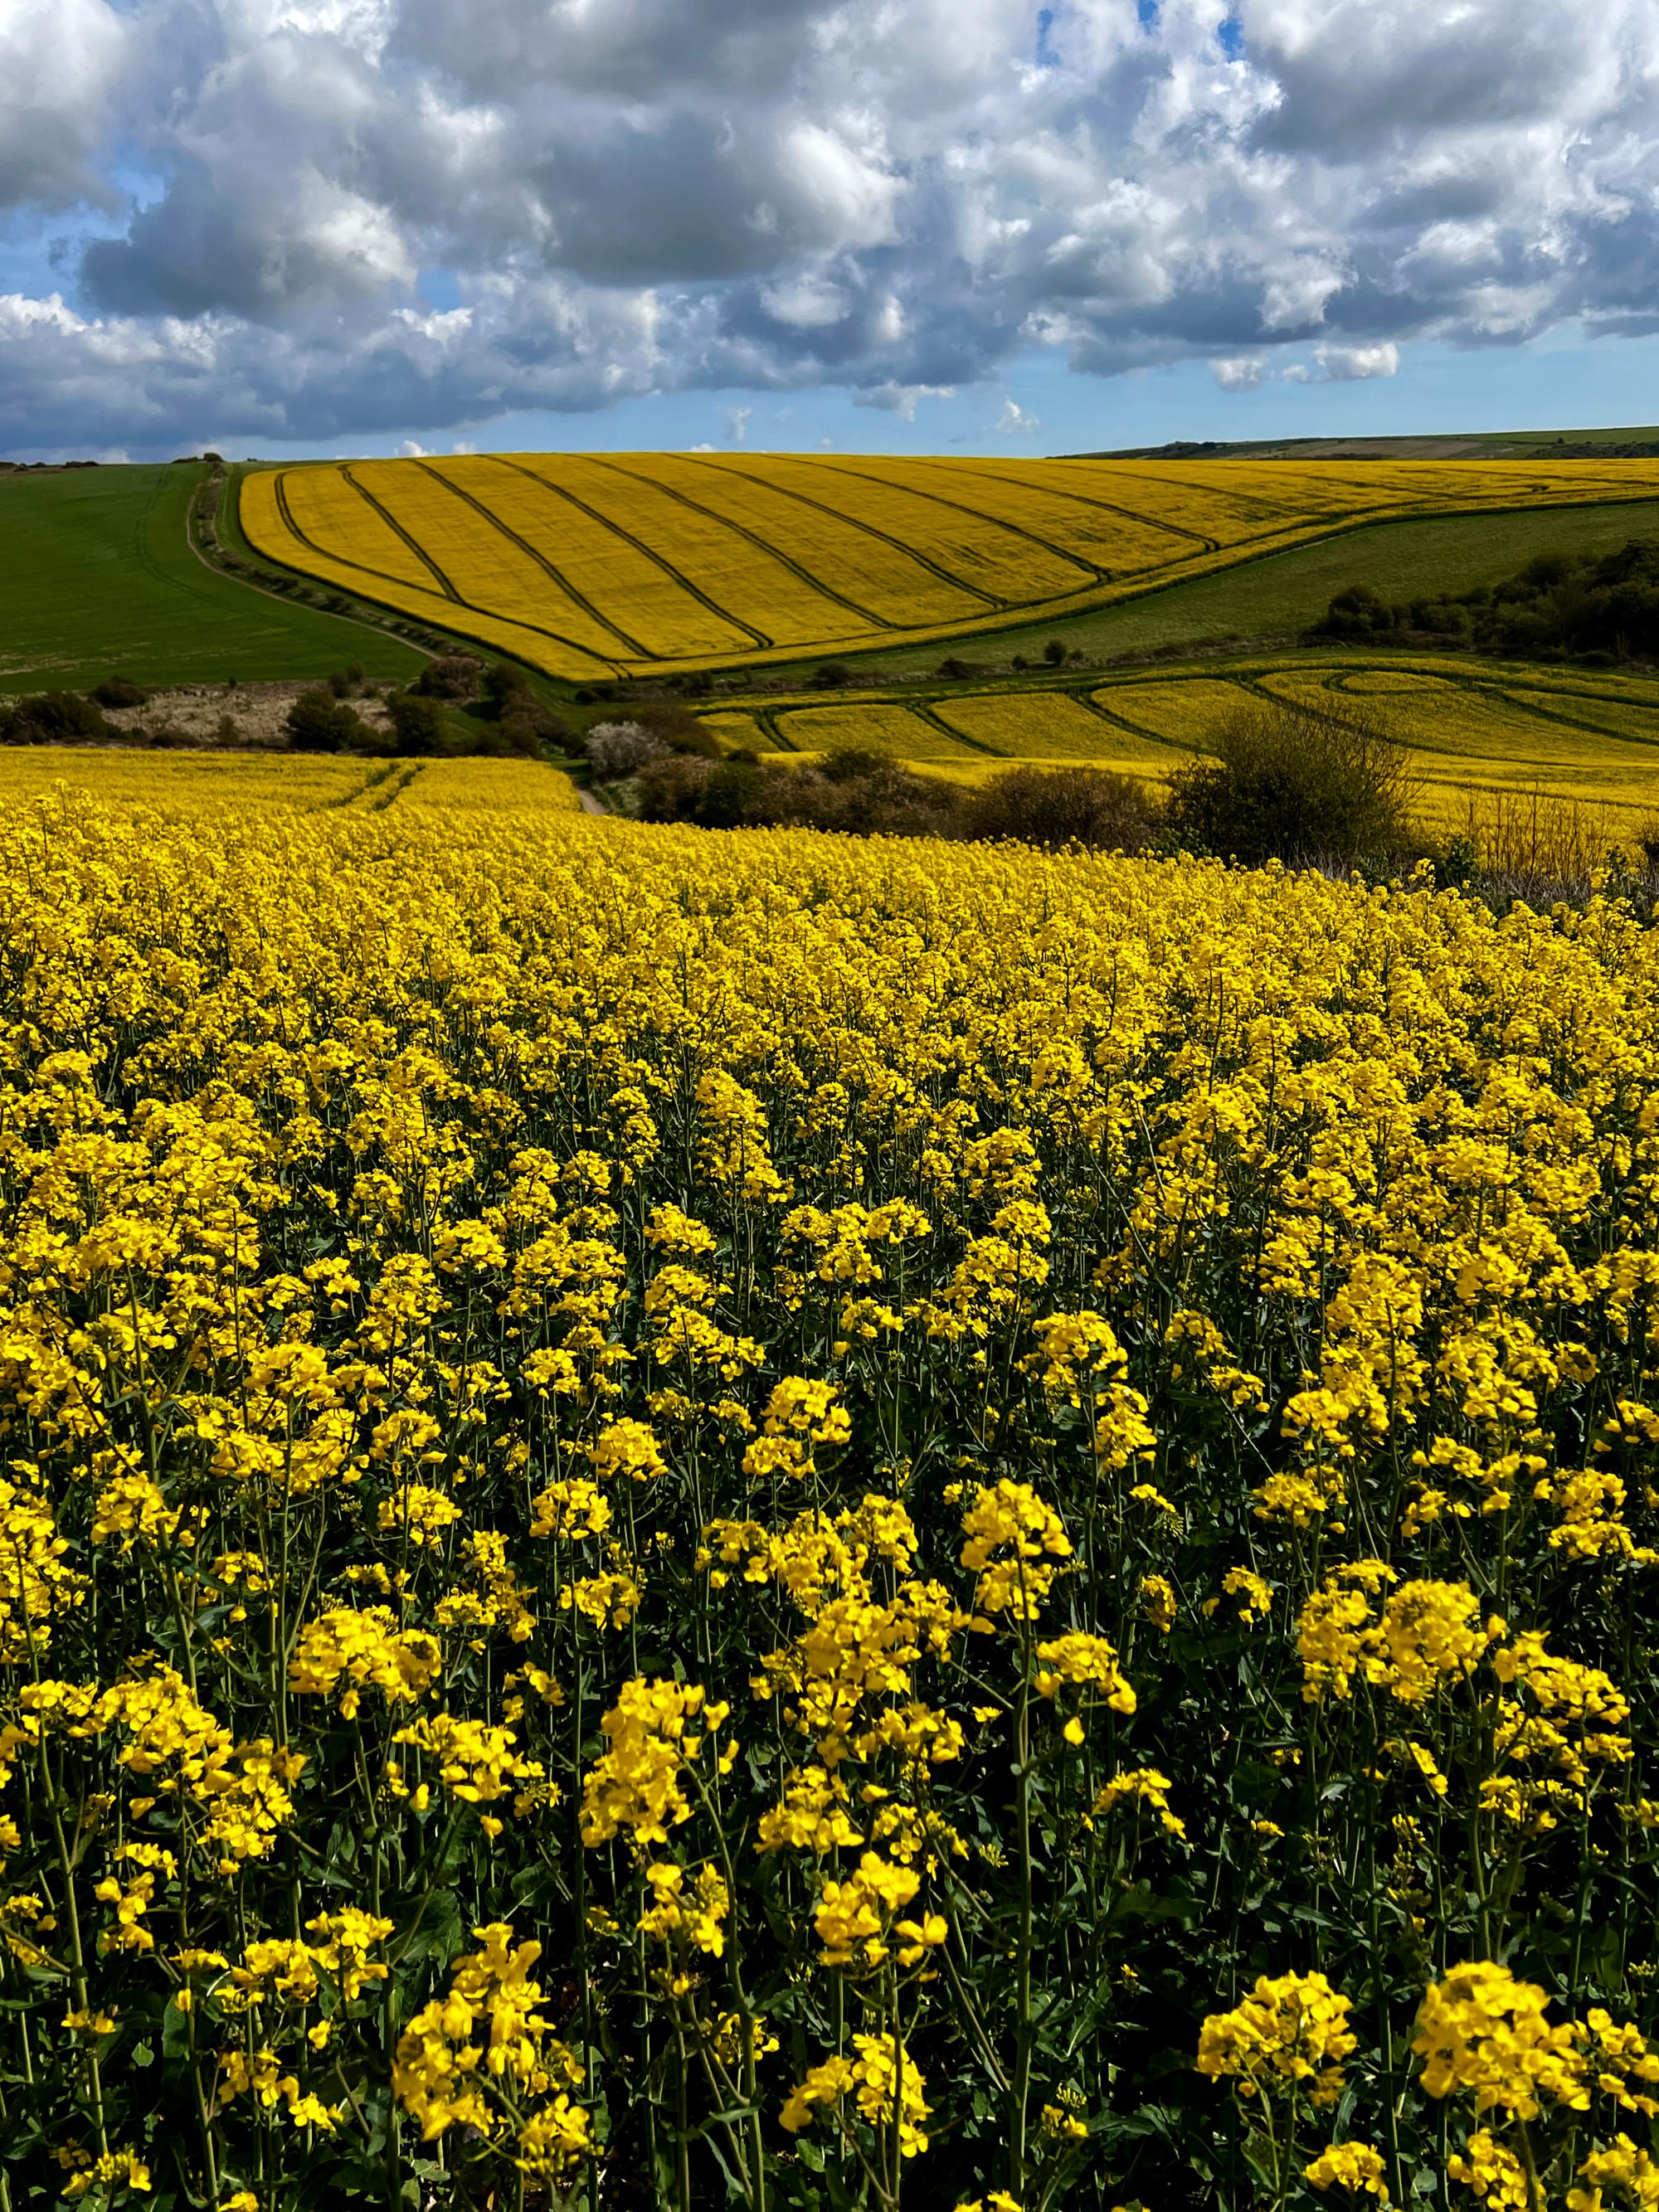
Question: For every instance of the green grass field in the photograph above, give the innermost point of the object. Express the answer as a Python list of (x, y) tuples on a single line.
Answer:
[(1276, 597), (98, 577)]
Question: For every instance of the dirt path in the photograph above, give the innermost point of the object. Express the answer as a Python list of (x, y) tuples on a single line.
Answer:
[(589, 803)]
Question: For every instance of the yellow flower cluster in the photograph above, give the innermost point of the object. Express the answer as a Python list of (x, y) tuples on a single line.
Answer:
[(1288, 2037), (479, 2056), (879, 2066)]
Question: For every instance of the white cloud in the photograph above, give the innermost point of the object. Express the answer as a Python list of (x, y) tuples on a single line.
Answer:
[(1241, 372), (1351, 364), (1016, 419), (770, 195), (409, 450), (901, 400), (805, 303)]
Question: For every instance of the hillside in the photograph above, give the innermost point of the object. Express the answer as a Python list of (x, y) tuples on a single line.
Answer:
[(1642, 444), (98, 576), (592, 566)]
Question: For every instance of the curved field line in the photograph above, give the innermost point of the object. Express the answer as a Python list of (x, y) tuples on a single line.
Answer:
[(554, 574), (343, 561), (870, 530), (396, 529), (1015, 530), (1492, 691), (761, 544), (1139, 729), (1331, 682), (1113, 506), (604, 522), (359, 620), (926, 710), (1273, 506)]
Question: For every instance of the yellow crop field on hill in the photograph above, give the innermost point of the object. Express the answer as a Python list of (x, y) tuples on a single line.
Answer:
[(591, 565)]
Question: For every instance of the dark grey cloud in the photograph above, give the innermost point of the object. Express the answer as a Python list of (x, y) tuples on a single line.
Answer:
[(627, 196)]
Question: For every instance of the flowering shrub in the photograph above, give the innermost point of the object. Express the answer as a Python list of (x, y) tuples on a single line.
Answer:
[(688, 1520)]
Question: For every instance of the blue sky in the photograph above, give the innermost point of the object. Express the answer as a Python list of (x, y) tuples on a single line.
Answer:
[(1563, 382)]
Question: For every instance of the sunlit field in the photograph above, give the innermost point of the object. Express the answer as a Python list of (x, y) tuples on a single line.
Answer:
[(589, 566), (1475, 732), (216, 785), (770, 1519)]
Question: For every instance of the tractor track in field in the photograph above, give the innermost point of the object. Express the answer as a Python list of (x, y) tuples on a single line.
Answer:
[(675, 576), (554, 574), (449, 592), (995, 603), (762, 546), (1084, 567)]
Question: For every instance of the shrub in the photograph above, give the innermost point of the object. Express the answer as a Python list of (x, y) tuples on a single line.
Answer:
[(1054, 651), (342, 682), (616, 750), (731, 790), (318, 722), (832, 675), (501, 683), (1289, 783), (671, 787), (118, 691), (51, 718), (452, 676), (528, 727), (419, 725), (855, 790), (1560, 601), (1057, 807), (679, 729)]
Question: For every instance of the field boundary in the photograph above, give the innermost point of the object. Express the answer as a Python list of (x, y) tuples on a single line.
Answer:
[(205, 555)]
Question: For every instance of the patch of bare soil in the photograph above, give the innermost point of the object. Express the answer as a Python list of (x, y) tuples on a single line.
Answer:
[(230, 716)]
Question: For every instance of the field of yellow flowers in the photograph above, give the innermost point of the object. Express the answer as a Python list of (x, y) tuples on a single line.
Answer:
[(695, 1520), (591, 565)]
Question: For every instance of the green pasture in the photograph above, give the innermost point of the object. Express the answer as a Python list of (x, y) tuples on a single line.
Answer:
[(98, 577), (1279, 596)]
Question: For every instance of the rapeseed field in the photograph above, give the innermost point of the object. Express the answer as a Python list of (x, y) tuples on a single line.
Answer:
[(696, 1519), (591, 566), (1476, 733)]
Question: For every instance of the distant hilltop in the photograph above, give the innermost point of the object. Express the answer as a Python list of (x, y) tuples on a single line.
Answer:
[(1625, 445), (41, 468)]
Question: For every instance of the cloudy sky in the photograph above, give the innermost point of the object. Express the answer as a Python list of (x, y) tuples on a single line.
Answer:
[(334, 226)]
